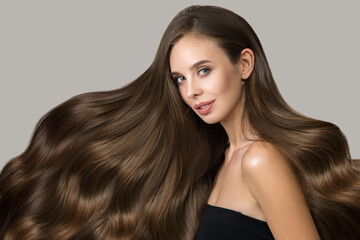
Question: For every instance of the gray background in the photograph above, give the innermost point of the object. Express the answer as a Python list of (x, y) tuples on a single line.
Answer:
[(53, 50)]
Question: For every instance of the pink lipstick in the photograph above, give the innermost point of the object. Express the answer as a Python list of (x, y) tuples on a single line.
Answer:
[(204, 107)]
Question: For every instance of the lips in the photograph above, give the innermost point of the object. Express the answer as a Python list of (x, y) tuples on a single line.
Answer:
[(204, 107), (202, 104)]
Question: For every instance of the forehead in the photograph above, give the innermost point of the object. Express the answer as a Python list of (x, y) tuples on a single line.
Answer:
[(192, 48)]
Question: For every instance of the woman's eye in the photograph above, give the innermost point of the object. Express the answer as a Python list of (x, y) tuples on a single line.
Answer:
[(204, 71), (179, 79)]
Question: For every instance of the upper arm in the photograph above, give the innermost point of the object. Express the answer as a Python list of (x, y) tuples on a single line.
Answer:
[(273, 184)]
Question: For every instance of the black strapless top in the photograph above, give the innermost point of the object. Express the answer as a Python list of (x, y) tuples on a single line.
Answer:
[(219, 223)]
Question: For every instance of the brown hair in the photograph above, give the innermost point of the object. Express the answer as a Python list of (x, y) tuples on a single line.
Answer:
[(137, 163)]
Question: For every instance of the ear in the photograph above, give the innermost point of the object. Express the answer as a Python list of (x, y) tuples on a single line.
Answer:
[(246, 63)]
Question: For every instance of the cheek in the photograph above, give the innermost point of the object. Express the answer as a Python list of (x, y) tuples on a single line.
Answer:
[(220, 84)]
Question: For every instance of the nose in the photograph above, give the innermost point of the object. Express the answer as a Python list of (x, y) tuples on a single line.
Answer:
[(192, 89)]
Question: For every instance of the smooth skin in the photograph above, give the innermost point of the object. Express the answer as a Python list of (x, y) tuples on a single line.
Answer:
[(255, 178)]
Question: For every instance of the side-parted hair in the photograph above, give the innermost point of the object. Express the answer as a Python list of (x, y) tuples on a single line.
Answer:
[(137, 163)]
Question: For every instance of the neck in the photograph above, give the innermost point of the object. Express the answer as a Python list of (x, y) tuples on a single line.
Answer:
[(238, 137)]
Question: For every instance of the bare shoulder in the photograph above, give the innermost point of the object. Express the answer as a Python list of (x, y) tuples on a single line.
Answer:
[(273, 183), (263, 166), (262, 156)]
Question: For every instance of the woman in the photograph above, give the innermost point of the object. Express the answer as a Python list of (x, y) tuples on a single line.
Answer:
[(202, 133), (253, 171)]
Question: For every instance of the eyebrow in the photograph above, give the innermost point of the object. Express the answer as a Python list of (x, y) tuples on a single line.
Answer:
[(195, 65)]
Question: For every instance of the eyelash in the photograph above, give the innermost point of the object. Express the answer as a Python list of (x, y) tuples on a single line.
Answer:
[(176, 79), (205, 68)]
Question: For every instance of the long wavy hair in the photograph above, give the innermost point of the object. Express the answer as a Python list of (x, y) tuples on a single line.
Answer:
[(137, 163)]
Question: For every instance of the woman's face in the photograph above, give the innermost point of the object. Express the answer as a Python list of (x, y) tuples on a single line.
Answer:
[(208, 82)]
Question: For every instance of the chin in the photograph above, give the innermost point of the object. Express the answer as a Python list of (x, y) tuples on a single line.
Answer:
[(208, 119)]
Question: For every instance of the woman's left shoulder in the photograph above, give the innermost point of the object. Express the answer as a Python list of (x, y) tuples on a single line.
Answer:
[(262, 154), (272, 182), (263, 164)]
